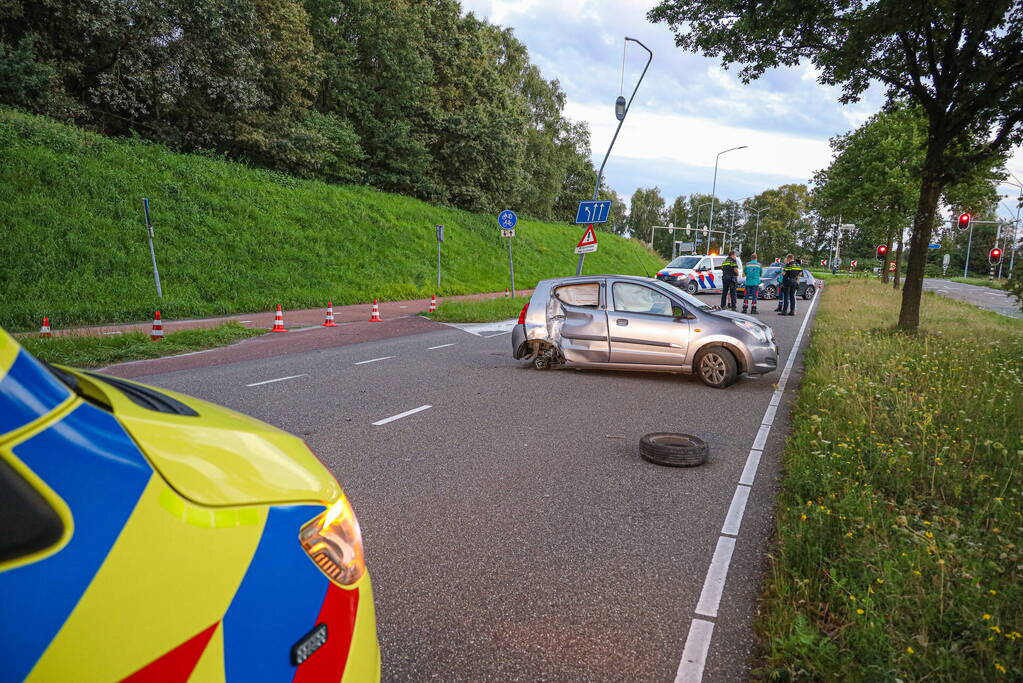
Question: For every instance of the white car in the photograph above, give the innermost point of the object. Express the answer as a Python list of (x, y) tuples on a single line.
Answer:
[(696, 273)]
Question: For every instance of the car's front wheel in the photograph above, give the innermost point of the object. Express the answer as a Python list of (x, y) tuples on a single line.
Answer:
[(692, 287), (809, 292), (716, 367)]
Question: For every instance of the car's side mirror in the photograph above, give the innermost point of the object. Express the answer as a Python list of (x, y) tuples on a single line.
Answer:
[(680, 314)]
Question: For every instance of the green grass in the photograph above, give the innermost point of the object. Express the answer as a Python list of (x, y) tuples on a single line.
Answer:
[(230, 238), (478, 310), (93, 352), (899, 529), (998, 284)]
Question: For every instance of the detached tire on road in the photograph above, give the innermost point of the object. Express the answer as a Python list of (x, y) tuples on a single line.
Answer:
[(716, 366), (674, 450)]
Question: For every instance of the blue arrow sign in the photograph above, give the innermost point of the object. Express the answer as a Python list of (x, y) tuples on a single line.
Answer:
[(934, 246), (593, 211), (507, 219)]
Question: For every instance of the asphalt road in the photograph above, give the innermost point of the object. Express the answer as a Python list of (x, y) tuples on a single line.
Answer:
[(511, 529), (984, 297)]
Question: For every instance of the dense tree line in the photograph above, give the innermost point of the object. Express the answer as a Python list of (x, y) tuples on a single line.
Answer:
[(410, 96)]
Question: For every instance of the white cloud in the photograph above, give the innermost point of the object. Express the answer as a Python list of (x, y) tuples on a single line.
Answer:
[(694, 141)]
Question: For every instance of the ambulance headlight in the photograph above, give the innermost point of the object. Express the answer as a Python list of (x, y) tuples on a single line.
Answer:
[(333, 542)]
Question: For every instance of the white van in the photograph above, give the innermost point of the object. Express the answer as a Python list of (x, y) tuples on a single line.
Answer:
[(697, 273)]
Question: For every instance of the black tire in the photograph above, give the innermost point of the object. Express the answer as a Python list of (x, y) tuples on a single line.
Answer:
[(674, 450), (770, 292), (716, 367), (809, 292), (542, 362), (692, 287)]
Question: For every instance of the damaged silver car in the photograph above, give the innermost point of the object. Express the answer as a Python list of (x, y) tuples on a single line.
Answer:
[(621, 322)]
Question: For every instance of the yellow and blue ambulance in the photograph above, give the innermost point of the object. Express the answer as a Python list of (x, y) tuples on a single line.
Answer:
[(149, 536)]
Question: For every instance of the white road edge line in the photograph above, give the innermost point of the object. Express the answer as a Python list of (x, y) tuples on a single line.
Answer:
[(392, 418), (431, 348), (372, 360), (694, 654), (270, 381), (488, 336)]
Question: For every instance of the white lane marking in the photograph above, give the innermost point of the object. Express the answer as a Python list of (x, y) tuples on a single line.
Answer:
[(431, 348), (714, 583), (761, 440), (694, 656), (769, 415), (749, 472), (372, 360), (392, 418), (488, 336), (245, 321), (736, 510), (113, 333), (402, 306), (270, 381), (481, 329)]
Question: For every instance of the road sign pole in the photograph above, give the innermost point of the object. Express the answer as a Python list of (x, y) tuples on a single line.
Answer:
[(152, 251), (438, 266), (511, 267), (969, 243)]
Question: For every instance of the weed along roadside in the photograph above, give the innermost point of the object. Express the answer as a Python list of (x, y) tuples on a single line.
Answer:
[(899, 529), (90, 351), (479, 310)]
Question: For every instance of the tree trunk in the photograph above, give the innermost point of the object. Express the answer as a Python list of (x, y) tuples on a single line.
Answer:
[(898, 263), (931, 186)]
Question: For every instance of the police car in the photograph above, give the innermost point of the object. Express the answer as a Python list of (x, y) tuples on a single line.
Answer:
[(695, 273)]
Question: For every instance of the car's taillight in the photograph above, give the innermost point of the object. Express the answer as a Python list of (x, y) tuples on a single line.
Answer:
[(522, 314), (334, 543)]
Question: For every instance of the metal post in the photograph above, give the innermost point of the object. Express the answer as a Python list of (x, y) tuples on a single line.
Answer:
[(714, 186), (511, 267), (600, 173), (438, 266), (969, 243), (152, 251)]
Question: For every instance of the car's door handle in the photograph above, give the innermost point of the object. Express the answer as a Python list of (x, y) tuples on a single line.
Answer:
[(622, 321)]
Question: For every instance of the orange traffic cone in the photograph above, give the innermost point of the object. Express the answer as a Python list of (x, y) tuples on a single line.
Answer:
[(375, 318), (433, 304), (44, 331), (156, 334), (328, 320), (506, 292), (278, 321)]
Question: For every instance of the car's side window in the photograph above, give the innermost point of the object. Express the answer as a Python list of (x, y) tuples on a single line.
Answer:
[(583, 294), (718, 260), (703, 265), (632, 298)]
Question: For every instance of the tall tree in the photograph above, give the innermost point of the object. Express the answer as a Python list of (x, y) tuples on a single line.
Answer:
[(646, 209), (960, 62)]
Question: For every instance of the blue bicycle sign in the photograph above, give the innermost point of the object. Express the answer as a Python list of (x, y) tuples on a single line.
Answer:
[(593, 211), (507, 219)]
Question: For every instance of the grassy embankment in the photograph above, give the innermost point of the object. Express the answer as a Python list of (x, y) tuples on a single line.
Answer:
[(88, 351), (478, 310), (899, 519), (231, 239), (998, 283)]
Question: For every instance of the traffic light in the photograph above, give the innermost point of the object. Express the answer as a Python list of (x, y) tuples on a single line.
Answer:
[(964, 220), (882, 251), (994, 256)]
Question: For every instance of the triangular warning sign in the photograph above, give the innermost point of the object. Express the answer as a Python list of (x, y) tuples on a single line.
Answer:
[(589, 237)]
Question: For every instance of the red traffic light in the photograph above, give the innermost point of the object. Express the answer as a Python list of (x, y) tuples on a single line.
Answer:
[(882, 250), (995, 255), (964, 220)]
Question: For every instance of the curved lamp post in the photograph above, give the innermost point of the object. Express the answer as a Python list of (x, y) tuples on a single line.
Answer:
[(621, 111), (714, 187), (756, 236)]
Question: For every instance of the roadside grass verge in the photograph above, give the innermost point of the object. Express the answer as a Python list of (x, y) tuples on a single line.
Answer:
[(88, 351), (478, 310), (233, 239), (899, 529), (998, 284)]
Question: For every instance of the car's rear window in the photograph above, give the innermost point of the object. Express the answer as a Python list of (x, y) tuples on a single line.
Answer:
[(584, 294)]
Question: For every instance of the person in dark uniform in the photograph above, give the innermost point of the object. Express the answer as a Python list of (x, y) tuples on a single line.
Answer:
[(790, 280), (729, 280)]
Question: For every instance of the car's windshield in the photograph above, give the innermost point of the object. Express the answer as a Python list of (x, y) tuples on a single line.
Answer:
[(684, 262), (688, 299)]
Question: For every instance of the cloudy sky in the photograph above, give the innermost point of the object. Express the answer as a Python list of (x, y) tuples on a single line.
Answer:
[(687, 109)]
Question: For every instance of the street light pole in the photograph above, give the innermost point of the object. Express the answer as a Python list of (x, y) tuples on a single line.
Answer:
[(714, 187), (621, 120), (1015, 225), (756, 236)]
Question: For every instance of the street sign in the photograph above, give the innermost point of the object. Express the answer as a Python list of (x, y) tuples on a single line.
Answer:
[(891, 266), (934, 246), (824, 262), (593, 211), (588, 243), (507, 219), (507, 232), (852, 264), (440, 233)]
